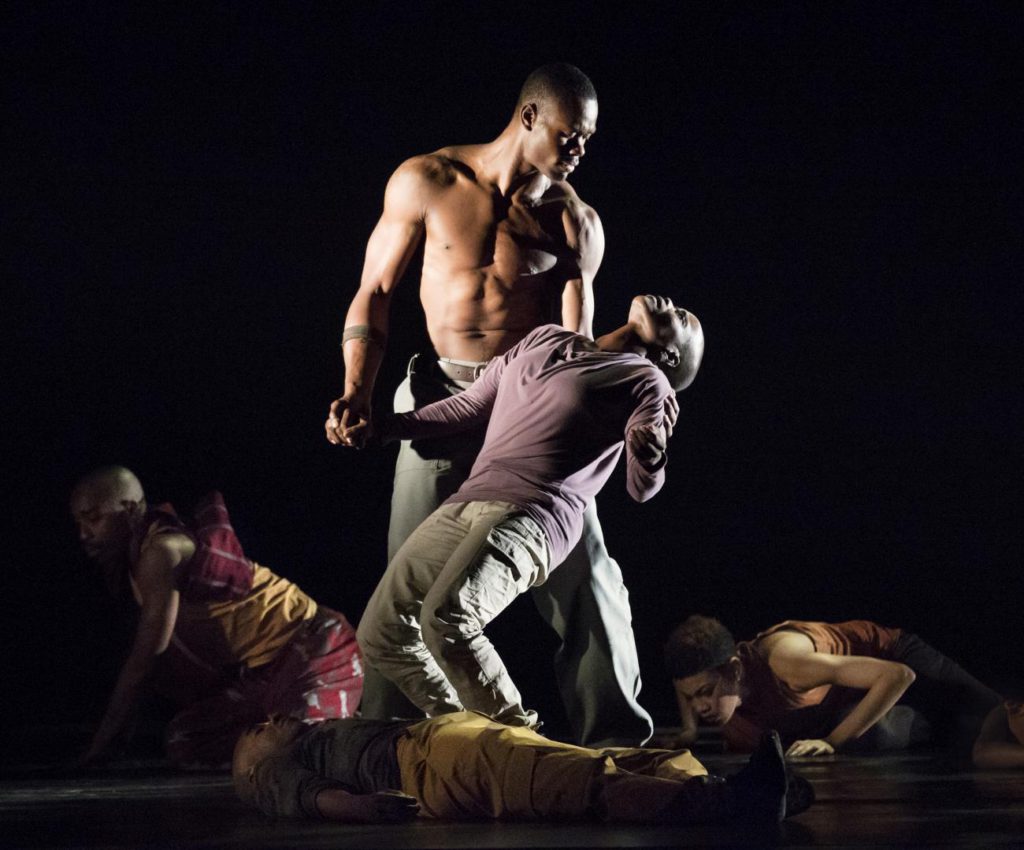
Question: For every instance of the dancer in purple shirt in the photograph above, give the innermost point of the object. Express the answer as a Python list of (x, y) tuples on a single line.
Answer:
[(560, 406)]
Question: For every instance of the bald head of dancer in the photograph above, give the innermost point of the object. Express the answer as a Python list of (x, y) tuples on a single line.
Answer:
[(105, 505), (671, 337)]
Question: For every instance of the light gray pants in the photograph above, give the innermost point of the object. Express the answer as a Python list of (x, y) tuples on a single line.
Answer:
[(424, 625), (585, 600)]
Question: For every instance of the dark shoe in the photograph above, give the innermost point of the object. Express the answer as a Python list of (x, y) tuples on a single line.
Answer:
[(799, 794), (760, 788)]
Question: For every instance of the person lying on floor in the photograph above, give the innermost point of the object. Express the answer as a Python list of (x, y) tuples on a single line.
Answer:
[(558, 407), (465, 766), (1001, 741), (826, 687), (223, 637)]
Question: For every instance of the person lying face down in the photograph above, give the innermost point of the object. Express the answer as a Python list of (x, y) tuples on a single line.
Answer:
[(826, 687), (1001, 741), (465, 766), (559, 407)]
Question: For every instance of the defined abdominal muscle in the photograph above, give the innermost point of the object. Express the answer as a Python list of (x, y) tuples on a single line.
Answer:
[(474, 345), (476, 316)]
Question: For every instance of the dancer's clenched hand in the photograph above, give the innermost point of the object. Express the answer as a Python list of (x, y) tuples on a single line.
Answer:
[(648, 444), (348, 421)]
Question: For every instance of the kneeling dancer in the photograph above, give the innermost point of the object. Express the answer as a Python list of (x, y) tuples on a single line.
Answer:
[(225, 638)]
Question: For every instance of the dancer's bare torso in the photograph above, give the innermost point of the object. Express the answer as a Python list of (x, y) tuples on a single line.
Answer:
[(507, 247), (494, 267)]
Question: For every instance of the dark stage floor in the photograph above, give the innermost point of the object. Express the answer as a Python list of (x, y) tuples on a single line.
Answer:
[(906, 801)]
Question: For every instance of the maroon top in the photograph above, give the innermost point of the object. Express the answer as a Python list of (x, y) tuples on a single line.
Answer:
[(769, 697), (559, 410)]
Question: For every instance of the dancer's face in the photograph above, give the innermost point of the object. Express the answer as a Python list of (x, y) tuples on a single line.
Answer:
[(559, 132), (104, 527), (658, 321), (712, 694)]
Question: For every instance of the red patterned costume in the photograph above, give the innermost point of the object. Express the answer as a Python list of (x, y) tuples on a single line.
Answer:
[(246, 643)]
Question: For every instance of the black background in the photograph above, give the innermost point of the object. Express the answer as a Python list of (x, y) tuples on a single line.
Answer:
[(833, 188)]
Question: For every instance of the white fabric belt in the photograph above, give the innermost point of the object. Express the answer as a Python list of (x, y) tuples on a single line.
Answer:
[(466, 371)]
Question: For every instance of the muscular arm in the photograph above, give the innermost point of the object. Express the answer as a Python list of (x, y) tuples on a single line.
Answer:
[(154, 577), (586, 236), (388, 251), (794, 660), (996, 747)]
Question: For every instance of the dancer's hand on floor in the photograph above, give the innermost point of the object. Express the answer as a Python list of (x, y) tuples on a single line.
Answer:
[(810, 747), (382, 807)]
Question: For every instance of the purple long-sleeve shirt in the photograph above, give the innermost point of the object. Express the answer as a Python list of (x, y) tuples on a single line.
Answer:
[(559, 411)]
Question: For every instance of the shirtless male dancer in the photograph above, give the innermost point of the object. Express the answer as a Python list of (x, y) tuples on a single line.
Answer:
[(508, 246)]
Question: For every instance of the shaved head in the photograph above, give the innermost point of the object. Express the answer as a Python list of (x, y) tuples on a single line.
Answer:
[(110, 485), (104, 504), (691, 351), (559, 82)]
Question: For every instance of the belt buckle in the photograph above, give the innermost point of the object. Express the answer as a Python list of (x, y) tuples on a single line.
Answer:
[(478, 370)]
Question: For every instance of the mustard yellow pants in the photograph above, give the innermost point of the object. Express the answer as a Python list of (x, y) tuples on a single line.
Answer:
[(466, 766)]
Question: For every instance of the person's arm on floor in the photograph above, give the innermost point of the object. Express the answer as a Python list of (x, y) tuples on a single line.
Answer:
[(154, 577), (280, 786), (379, 807), (794, 660), (996, 747)]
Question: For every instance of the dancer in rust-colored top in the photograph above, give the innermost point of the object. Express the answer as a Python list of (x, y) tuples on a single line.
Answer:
[(826, 687), (225, 638)]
